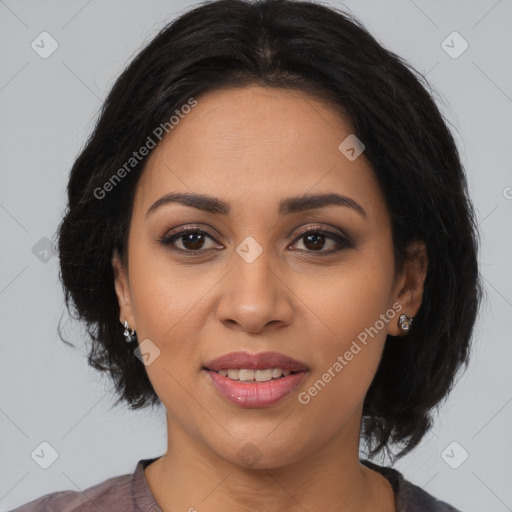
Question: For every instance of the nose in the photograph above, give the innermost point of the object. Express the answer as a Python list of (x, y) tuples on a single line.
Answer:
[(254, 297)]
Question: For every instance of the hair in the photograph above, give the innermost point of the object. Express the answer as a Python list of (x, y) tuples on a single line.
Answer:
[(328, 54)]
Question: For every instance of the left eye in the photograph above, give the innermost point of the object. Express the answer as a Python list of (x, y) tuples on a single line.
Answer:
[(315, 239)]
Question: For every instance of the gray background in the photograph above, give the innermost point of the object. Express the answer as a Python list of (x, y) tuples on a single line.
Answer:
[(48, 107)]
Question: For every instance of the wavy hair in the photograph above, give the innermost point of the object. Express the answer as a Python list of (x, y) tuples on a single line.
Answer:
[(328, 54)]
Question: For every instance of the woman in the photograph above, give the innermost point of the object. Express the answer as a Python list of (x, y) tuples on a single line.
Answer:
[(272, 212)]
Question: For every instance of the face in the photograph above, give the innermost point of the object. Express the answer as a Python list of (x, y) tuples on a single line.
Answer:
[(311, 280)]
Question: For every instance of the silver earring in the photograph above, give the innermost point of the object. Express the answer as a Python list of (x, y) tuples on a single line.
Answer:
[(129, 336), (405, 322)]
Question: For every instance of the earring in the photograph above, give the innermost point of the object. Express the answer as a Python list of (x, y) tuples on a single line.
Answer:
[(129, 336), (405, 322)]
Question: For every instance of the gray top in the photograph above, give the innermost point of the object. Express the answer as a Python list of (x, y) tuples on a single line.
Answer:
[(131, 493)]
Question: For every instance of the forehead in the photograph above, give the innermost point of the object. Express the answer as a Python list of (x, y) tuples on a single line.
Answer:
[(254, 146)]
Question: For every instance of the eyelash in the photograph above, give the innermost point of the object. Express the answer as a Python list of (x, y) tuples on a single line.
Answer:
[(343, 242)]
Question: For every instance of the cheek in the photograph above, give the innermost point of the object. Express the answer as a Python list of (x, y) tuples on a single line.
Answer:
[(352, 331), (164, 294), (168, 303), (350, 300), (168, 308)]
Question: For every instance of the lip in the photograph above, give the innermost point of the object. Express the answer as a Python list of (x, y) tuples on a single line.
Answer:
[(261, 361), (251, 395), (255, 394)]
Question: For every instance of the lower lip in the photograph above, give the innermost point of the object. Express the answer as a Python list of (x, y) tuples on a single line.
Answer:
[(255, 394)]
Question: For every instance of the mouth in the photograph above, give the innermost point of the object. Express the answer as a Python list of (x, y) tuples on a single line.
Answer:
[(253, 394), (255, 380), (249, 375), (263, 361)]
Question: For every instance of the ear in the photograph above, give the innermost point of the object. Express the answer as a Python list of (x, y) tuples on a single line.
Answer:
[(408, 291), (123, 292)]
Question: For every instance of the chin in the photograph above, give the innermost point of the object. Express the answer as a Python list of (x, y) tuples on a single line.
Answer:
[(260, 453)]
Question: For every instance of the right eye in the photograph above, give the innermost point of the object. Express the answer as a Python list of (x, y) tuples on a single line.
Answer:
[(191, 239)]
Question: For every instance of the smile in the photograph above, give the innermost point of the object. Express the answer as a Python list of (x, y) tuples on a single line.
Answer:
[(248, 392), (248, 375)]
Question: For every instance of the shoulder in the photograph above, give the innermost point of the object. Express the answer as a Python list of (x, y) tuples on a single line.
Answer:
[(410, 497), (414, 497), (112, 494)]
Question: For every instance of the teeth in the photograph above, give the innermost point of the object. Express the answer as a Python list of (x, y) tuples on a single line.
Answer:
[(254, 375), (262, 375), (246, 374), (233, 374)]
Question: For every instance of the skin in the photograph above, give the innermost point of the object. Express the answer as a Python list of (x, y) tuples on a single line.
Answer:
[(253, 147)]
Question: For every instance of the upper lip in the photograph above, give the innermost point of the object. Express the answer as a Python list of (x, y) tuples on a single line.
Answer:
[(260, 361)]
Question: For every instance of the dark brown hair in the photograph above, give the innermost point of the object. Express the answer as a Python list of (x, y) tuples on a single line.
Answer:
[(327, 53)]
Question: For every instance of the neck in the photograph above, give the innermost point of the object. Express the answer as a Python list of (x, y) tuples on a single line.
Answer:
[(192, 476)]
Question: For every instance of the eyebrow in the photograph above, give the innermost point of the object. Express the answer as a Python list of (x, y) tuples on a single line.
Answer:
[(287, 206)]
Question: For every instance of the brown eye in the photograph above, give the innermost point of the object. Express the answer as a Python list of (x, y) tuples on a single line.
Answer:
[(192, 241), (315, 240)]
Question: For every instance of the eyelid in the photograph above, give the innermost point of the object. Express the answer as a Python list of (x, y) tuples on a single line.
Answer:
[(189, 227), (181, 231), (343, 240), (330, 230)]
